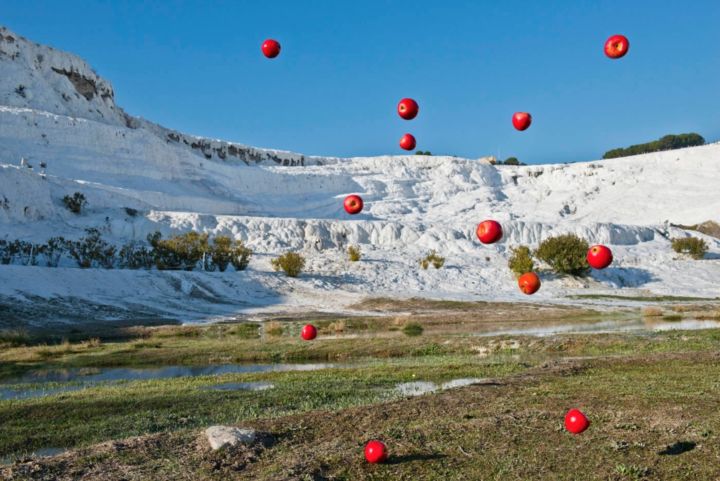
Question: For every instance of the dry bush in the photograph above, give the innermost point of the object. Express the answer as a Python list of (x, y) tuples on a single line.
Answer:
[(291, 263), (273, 328), (337, 326), (651, 312), (433, 258), (354, 253)]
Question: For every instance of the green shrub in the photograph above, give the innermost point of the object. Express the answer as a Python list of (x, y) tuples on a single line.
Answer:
[(92, 251), (135, 256), (291, 263), (180, 252), (75, 203), (54, 250), (521, 260), (354, 253), (14, 337), (565, 254), (694, 247), (433, 258), (668, 142), (225, 251), (421, 152), (412, 329), (512, 161)]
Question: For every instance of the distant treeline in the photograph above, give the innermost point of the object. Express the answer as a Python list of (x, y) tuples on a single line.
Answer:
[(669, 142)]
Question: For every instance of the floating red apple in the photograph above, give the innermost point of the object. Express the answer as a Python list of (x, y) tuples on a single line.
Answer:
[(408, 109), (617, 46), (376, 452), (407, 142), (529, 283), (353, 204), (599, 257), (576, 422), (521, 120), (271, 48), (489, 231), (309, 332)]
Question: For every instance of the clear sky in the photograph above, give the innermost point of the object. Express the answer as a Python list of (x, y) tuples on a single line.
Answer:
[(196, 66)]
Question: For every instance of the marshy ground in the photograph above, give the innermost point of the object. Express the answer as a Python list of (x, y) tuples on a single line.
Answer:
[(652, 395)]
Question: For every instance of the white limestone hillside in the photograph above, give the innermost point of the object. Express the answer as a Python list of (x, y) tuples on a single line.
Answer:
[(65, 115)]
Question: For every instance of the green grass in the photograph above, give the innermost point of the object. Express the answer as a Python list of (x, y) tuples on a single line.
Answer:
[(133, 408)]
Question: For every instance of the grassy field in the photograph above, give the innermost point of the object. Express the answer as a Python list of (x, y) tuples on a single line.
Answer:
[(653, 400)]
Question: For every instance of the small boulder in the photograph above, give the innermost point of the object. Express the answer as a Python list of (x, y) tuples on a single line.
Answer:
[(221, 436)]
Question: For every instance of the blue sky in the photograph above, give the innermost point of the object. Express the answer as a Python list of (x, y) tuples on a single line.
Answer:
[(196, 66)]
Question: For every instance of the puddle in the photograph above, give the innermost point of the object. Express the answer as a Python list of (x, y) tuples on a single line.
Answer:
[(241, 386), (86, 377), (39, 453), (637, 325), (456, 383), (419, 388)]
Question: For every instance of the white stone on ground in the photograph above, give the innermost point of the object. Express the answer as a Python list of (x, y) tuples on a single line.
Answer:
[(221, 436)]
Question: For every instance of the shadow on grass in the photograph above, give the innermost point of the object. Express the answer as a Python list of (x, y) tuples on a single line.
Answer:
[(408, 458), (678, 448)]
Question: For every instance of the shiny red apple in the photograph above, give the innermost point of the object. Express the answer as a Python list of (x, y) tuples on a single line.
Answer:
[(408, 109), (576, 422), (599, 257), (353, 204), (407, 142), (521, 120), (529, 283), (489, 231), (309, 332), (271, 48), (617, 46), (376, 452)]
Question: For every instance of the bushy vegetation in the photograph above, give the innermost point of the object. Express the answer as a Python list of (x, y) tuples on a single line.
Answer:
[(291, 263), (75, 203), (668, 142), (180, 252), (421, 152), (521, 260), (412, 329), (565, 254), (354, 253), (135, 256), (92, 251), (433, 258), (225, 251), (184, 251), (692, 246)]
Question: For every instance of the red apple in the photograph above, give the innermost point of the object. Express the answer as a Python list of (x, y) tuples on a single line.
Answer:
[(353, 204), (489, 231), (376, 451), (529, 283), (521, 120), (407, 142), (576, 422), (408, 109), (617, 46), (271, 48), (309, 332), (599, 257)]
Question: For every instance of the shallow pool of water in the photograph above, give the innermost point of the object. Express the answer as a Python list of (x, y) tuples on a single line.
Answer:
[(81, 378), (38, 453)]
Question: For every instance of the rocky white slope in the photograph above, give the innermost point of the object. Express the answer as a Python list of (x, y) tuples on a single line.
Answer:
[(55, 109)]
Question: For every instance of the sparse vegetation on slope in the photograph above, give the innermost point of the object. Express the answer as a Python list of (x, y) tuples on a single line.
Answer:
[(668, 142)]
